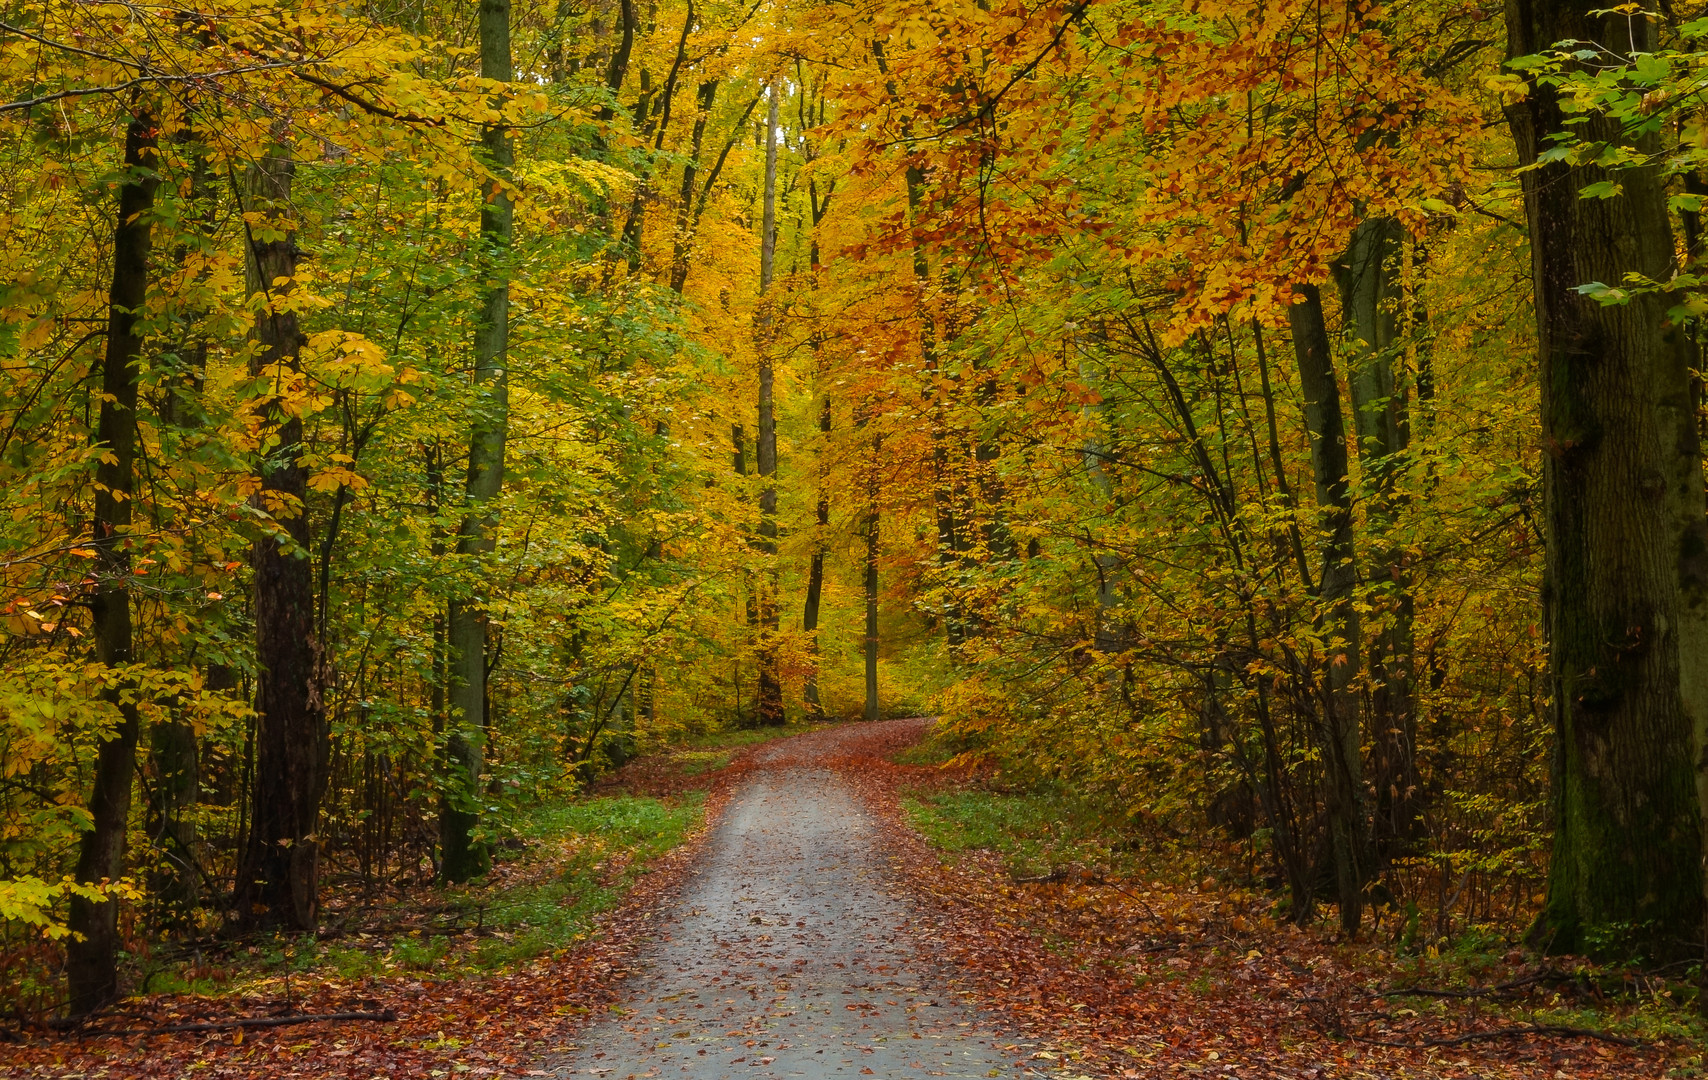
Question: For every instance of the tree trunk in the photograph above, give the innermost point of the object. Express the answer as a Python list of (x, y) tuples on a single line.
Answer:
[(91, 956), (770, 682), (871, 531), (1370, 302), (463, 855), (815, 574), (278, 878), (1626, 594), (172, 742), (1104, 638), (1339, 735)]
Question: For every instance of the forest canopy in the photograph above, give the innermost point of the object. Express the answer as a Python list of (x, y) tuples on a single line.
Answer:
[(1278, 423)]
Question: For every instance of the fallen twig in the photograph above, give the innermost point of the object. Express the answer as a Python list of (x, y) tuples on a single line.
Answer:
[(387, 1016), (1479, 992), (1039, 879), (1509, 1032)]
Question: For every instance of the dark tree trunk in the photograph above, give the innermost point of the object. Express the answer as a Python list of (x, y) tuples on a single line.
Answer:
[(462, 856), (1339, 734), (172, 743), (815, 574), (770, 681), (683, 241), (91, 956), (278, 877), (1626, 594), (1370, 304), (871, 534)]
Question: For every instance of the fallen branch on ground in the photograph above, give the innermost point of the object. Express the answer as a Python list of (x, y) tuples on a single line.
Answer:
[(386, 1017), (1509, 1032)]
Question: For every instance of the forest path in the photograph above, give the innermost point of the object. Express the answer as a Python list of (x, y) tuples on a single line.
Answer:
[(788, 953)]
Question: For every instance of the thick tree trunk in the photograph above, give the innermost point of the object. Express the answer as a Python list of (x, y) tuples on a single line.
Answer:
[(1370, 304), (462, 855), (770, 681), (91, 956), (278, 878), (1342, 761), (1626, 592)]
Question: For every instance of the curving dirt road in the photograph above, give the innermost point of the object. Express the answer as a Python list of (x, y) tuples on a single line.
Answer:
[(788, 953)]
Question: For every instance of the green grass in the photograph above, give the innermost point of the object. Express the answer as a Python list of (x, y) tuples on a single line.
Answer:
[(1035, 832), (734, 738), (927, 751), (581, 858)]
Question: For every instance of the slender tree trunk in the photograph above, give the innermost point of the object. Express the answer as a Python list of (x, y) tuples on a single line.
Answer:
[(871, 530), (819, 208), (91, 955), (1626, 593), (682, 242), (1103, 633), (1370, 304), (770, 681), (278, 878), (815, 574), (172, 742), (463, 856), (1342, 761)]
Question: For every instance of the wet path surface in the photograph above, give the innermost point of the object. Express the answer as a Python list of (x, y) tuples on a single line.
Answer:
[(788, 954)]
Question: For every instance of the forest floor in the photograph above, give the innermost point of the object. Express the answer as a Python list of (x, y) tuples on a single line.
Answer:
[(852, 895)]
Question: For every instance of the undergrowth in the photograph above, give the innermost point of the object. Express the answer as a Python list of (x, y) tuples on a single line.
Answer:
[(570, 862), (1078, 857)]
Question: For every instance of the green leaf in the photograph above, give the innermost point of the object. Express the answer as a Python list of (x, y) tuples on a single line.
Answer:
[(1601, 189), (1605, 295)]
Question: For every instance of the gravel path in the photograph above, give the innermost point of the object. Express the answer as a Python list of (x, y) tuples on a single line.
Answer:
[(788, 954)]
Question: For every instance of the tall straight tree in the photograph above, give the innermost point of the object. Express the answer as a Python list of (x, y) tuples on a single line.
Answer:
[(462, 855), (1368, 281), (278, 878), (819, 207), (1627, 547), (1339, 734), (91, 969), (871, 565), (770, 681)]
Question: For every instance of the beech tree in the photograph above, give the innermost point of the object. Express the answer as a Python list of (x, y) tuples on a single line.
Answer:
[(1622, 494)]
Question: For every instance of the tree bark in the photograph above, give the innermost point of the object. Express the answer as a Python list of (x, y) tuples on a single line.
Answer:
[(173, 746), (91, 956), (815, 573), (463, 855), (770, 682), (1626, 594), (1339, 734), (1370, 302), (871, 530), (278, 877)]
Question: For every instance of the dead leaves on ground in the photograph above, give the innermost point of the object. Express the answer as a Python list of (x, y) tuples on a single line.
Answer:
[(1147, 979), (478, 1026)]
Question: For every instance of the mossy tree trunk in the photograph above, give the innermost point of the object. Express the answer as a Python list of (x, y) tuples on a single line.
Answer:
[(1626, 592), (462, 854)]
